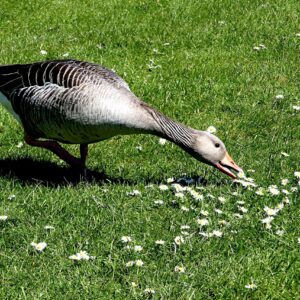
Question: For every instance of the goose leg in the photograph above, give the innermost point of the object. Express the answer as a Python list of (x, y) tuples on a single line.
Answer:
[(83, 156), (56, 149)]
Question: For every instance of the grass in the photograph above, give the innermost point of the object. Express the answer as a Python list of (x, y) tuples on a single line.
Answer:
[(209, 74)]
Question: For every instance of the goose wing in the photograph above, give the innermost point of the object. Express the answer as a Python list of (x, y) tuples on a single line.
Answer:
[(65, 73)]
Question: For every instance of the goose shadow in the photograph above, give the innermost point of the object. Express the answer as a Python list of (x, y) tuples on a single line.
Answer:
[(30, 171)]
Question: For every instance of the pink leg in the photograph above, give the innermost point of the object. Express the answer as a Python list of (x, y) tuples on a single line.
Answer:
[(56, 149)]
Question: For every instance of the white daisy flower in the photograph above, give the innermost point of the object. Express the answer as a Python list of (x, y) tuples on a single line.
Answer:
[(11, 197), (296, 107), (84, 255), (149, 291), (202, 222), (273, 190), (260, 191), (203, 234), (20, 145), (162, 141), (256, 48), (184, 227), (39, 246), (139, 263), (222, 199), (66, 54), (196, 195), (285, 154), (204, 213), (223, 222), (239, 216), (163, 187), (134, 284), (284, 181), (137, 248), (294, 189), (267, 220), (217, 233), (179, 195), (271, 211), (184, 208), (48, 227), (134, 193), (179, 269), (240, 202), (139, 148), (286, 200), (251, 286), (218, 211), (280, 206), (211, 129), (160, 242), (279, 97), (130, 264), (170, 180), (179, 240), (75, 257), (43, 52), (3, 218), (286, 192), (126, 239), (242, 209), (280, 232), (297, 174), (158, 202)]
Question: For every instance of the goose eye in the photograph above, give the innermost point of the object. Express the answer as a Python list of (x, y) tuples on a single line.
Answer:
[(217, 145)]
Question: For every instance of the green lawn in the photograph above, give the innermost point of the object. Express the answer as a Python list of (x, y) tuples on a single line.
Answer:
[(196, 62)]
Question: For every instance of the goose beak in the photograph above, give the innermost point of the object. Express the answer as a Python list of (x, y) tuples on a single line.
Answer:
[(228, 163)]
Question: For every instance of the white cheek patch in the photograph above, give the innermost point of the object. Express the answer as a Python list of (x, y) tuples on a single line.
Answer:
[(7, 105)]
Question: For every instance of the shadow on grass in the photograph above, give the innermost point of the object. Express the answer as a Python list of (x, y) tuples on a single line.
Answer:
[(29, 171)]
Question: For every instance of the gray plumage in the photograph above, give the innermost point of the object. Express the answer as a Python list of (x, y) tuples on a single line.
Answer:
[(81, 103)]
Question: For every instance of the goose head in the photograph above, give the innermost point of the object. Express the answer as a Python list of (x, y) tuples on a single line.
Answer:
[(209, 149)]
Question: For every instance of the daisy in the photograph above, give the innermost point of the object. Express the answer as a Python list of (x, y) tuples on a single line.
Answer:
[(139, 263), (126, 239), (211, 129), (170, 180), (251, 286), (239, 216), (202, 222), (240, 202), (279, 97), (223, 222), (149, 291), (280, 232), (179, 240), (48, 227), (217, 233), (160, 242), (179, 269), (134, 193), (185, 227), (297, 174), (137, 248), (162, 141), (196, 195), (179, 195), (296, 107), (222, 199), (270, 211), (184, 208), (163, 187), (273, 190), (204, 213), (130, 264), (260, 191), (43, 52), (218, 211), (284, 181), (39, 246), (3, 218), (158, 202), (242, 209), (11, 197), (267, 220), (285, 154)]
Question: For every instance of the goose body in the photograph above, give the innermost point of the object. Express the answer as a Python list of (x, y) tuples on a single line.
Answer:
[(77, 102)]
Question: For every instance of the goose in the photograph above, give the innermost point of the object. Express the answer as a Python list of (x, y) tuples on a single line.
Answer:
[(76, 102)]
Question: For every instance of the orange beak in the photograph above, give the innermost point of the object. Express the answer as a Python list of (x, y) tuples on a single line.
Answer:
[(227, 163)]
